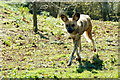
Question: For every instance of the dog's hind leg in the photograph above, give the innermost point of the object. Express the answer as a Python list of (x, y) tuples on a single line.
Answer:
[(88, 35), (79, 44)]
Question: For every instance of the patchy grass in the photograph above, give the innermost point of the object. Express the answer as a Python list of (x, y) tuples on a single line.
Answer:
[(25, 54)]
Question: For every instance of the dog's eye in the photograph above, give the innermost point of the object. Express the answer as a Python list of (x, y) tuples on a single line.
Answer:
[(73, 25), (67, 25)]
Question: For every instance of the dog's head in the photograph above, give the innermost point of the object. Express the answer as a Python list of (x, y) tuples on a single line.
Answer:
[(71, 23)]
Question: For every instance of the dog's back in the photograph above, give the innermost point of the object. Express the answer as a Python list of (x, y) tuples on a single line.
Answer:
[(84, 22)]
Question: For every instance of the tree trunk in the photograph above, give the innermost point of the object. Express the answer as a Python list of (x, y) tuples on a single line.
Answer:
[(35, 18), (118, 11), (60, 10), (105, 11)]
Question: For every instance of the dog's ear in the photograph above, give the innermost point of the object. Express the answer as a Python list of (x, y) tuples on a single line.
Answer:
[(64, 18), (76, 16)]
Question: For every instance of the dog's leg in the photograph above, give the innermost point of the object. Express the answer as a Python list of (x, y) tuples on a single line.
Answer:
[(88, 36), (80, 48), (78, 56), (94, 48), (72, 54), (78, 53)]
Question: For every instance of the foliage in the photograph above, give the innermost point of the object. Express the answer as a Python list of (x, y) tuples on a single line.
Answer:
[(44, 13), (17, 13), (7, 43), (107, 11), (23, 10)]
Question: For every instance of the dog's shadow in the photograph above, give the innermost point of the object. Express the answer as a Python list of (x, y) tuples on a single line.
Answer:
[(95, 64)]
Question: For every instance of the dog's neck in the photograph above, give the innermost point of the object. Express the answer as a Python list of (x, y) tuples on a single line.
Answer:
[(79, 31)]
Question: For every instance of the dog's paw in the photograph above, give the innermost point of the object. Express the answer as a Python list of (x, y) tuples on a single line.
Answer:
[(78, 59), (94, 50), (69, 64)]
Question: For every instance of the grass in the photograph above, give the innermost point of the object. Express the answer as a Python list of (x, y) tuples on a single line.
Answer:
[(45, 55)]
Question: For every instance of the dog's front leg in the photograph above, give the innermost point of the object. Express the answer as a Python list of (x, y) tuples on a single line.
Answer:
[(72, 54), (78, 53)]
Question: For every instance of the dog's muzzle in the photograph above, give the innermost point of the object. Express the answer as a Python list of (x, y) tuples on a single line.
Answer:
[(70, 30)]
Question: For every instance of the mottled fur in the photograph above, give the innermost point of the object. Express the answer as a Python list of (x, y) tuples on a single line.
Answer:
[(76, 26)]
